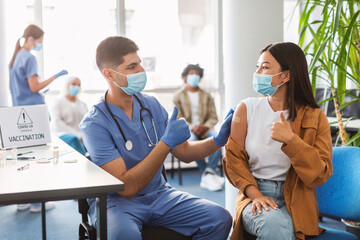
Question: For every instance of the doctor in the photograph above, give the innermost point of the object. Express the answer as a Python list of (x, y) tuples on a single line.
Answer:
[(128, 134)]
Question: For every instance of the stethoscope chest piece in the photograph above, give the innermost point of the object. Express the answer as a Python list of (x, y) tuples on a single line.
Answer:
[(128, 145)]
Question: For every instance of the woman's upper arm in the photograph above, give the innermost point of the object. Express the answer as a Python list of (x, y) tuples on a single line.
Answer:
[(239, 125)]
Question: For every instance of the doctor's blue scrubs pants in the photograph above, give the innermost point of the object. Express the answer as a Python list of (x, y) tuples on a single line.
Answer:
[(175, 210)]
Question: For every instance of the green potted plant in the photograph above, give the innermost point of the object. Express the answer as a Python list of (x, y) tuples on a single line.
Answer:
[(334, 53)]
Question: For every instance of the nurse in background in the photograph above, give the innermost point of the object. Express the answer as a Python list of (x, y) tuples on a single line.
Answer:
[(25, 84), (66, 114), (24, 77)]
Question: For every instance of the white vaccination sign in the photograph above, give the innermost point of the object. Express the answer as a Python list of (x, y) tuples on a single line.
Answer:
[(24, 126)]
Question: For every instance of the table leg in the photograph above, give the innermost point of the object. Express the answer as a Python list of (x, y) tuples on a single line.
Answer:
[(101, 206), (43, 220)]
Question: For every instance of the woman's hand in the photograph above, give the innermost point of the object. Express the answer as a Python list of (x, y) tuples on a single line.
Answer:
[(259, 200), (263, 202), (281, 131)]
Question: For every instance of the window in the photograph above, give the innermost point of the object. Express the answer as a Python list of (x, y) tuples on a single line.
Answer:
[(73, 29), (169, 33), (18, 15)]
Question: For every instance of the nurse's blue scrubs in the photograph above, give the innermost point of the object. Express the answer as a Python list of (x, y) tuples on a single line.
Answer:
[(158, 204), (24, 67)]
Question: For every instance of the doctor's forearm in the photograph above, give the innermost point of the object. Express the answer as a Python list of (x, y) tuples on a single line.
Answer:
[(138, 177), (194, 150)]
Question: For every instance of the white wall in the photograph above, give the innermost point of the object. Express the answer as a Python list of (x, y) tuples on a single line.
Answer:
[(248, 27)]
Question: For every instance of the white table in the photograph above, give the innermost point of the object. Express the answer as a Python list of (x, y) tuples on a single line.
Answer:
[(43, 182), (352, 125)]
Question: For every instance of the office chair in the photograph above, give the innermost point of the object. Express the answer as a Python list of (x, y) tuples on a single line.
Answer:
[(339, 197), (86, 231)]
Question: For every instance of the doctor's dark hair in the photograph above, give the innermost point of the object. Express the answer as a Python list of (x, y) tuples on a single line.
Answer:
[(291, 57), (195, 67), (111, 51), (31, 31)]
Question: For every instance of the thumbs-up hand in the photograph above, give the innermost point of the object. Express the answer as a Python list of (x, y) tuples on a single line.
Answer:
[(221, 138), (176, 132), (281, 131)]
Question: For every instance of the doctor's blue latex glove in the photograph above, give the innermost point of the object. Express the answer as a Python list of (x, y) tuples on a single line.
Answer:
[(176, 132), (224, 132), (62, 72)]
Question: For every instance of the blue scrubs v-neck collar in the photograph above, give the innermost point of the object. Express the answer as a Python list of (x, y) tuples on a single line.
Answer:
[(121, 115)]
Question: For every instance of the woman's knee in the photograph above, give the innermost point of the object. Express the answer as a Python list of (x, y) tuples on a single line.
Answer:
[(273, 231), (273, 225)]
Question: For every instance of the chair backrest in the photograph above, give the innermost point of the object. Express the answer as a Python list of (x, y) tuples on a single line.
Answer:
[(340, 195), (83, 208)]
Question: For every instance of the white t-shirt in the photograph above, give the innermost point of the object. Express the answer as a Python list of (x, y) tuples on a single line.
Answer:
[(194, 101), (66, 116), (267, 160)]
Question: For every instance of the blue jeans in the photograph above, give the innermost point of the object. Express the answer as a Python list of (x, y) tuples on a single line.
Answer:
[(213, 158), (272, 224)]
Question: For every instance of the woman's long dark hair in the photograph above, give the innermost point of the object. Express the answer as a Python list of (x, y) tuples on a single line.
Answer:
[(291, 57), (31, 31)]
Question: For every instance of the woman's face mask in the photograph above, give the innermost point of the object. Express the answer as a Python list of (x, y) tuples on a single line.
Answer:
[(74, 90), (37, 47), (136, 82), (262, 84), (193, 80)]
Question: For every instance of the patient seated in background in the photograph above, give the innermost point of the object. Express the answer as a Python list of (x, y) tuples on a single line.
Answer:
[(67, 112)]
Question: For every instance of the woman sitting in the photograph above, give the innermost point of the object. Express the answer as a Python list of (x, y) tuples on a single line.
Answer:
[(279, 150), (66, 114)]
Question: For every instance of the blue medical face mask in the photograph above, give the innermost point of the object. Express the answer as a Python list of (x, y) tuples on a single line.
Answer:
[(262, 84), (38, 47), (136, 82), (74, 90), (193, 80)]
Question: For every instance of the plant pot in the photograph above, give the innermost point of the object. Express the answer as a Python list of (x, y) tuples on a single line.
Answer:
[(351, 228)]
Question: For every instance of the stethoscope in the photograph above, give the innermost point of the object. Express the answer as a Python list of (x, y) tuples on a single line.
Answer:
[(128, 143)]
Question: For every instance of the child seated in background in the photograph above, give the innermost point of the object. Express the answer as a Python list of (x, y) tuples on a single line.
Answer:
[(197, 107), (66, 114)]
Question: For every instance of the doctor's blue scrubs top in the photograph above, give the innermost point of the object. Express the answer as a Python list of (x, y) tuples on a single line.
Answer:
[(24, 67), (104, 142)]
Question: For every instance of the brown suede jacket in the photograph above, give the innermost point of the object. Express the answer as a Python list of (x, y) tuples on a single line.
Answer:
[(310, 152)]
